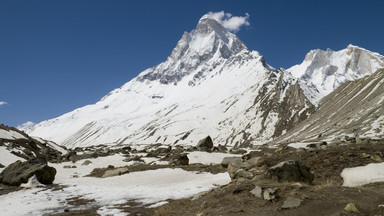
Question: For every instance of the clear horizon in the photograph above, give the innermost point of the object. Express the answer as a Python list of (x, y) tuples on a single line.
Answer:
[(56, 56)]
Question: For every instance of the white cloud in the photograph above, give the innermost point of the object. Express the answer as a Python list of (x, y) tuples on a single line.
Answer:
[(2, 103), (232, 23)]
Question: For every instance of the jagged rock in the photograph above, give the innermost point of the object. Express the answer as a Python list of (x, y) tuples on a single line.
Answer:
[(205, 144), (288, 171), (19, 172), (227, 160), (291, 202), (86, 162), (270, 193), (1, 165), (351, 207), (257, 192)]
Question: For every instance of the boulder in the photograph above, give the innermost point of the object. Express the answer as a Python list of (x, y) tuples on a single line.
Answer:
[(234, 166), (291, 203), (290, 171), (19, 172), (257, 192), (227, 160), (205, 144), (181, 160)]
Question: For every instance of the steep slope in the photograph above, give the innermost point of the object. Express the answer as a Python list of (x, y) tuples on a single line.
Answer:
[(210, 85), (321, 72), (16, 145), (355, 108)]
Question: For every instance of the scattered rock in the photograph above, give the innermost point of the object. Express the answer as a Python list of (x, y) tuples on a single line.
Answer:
[(351, 207), (19, 172), (257, 192), (66, 166), (291, 202), (290, 171), (133, 158), (86, 162), (270, 194), (350, 139), (227, 160), (205, 144)]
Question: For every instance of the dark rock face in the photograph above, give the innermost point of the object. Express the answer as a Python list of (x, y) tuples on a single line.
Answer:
[(290, 171), (19, 172), (205, 144)]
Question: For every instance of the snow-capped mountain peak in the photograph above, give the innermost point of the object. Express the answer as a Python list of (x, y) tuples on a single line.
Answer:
[(203, 48), (322, 71)]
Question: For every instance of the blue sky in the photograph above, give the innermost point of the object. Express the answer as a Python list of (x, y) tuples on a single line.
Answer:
[(56, 56)]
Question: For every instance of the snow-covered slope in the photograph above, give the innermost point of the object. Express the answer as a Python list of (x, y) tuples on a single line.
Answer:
[(210, 85), (354, 108), (321, 72)]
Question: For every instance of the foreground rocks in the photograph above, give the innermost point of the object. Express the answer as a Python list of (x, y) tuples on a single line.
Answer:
[(19, 172)]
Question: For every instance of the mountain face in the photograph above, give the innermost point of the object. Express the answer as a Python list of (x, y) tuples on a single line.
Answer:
[(322, 72), (210, 85), (354, 109)]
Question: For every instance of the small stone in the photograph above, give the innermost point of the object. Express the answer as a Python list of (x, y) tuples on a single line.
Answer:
[(257, 192), (365, 155), (270, 193), (351, 207), (291, 202), (66, 167)]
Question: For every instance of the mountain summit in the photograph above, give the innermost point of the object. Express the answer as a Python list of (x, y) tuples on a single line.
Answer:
[(207, 44)]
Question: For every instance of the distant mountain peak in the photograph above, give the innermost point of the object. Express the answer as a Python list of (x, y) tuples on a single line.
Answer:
[(322, 71)]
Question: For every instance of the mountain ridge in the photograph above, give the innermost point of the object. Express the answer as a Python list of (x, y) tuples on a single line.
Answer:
[(210, 85)]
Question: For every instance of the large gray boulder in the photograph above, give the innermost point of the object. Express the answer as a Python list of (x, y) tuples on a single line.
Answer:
[(290, 171), (19, 172), (205, 144)]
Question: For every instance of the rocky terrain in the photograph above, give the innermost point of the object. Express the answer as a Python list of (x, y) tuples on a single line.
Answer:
[(213, 130)]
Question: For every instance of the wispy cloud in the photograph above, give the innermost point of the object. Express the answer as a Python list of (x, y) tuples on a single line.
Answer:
[(2, 103), (232, 23)]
